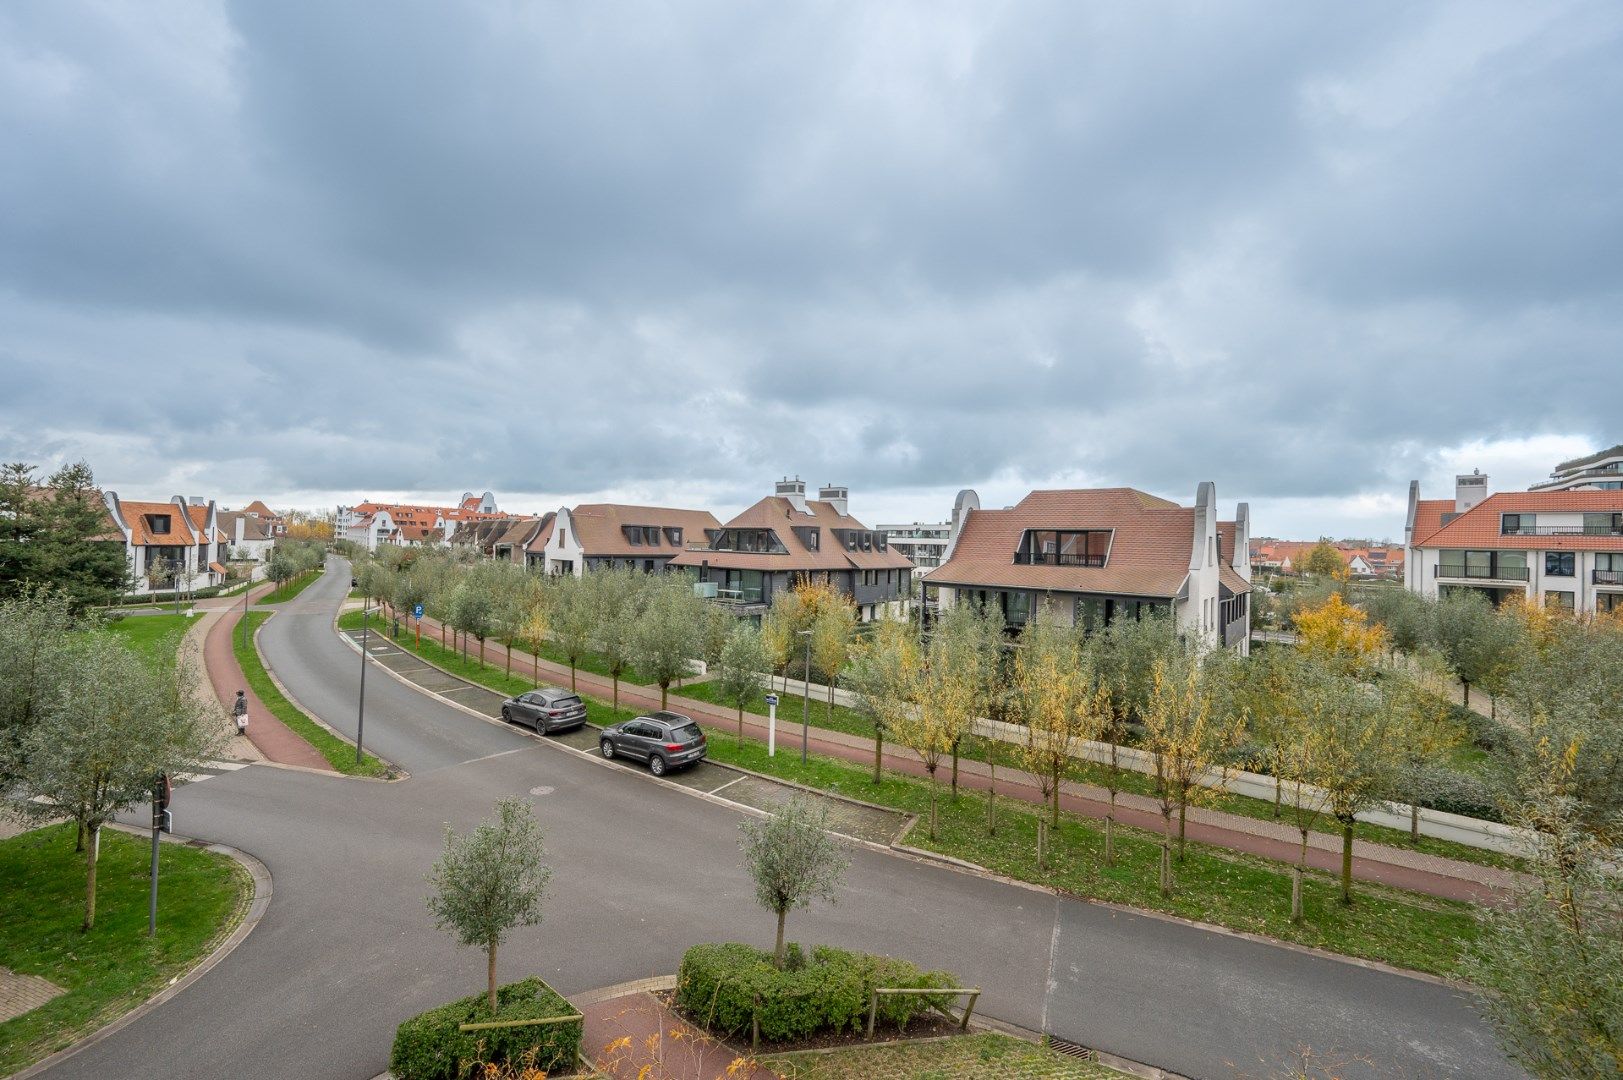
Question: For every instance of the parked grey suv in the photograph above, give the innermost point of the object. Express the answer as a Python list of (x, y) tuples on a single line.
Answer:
[(550, 708), (665, 740)]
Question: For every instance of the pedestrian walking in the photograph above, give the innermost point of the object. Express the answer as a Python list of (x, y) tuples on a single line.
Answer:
[(239, 712)]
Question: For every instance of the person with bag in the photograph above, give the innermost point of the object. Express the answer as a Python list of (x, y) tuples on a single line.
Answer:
[(239, 712)]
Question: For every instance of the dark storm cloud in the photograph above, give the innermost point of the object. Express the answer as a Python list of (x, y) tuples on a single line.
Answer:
[(420, 247)]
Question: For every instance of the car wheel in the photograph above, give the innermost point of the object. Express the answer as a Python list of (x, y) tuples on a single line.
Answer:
[(607, 746), (507, 717), (656, 764)]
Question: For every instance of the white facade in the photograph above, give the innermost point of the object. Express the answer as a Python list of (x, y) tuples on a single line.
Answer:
[(563, 553), (1597, 472), (925, 544), (197, 546)]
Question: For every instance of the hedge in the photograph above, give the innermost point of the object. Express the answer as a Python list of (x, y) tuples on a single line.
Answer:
[(429, 1046), (719, 986)]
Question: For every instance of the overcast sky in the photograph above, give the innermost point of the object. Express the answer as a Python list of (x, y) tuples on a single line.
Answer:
[(311, 252)]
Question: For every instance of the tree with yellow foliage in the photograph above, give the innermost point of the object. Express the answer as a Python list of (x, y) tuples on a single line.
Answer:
[(1187, 734), (946, 694), (1339, 635), (1322, 560), (884, 672)]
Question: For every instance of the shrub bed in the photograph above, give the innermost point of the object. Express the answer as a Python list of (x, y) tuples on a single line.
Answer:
[(719, 987), (429, 1046)]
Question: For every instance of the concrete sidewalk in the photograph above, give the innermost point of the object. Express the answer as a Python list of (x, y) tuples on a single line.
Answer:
[(1384, 864)]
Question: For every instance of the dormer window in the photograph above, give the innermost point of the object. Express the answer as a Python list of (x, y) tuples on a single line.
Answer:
[(633, 535), (1063, 547), (158, 523), (673, 536)]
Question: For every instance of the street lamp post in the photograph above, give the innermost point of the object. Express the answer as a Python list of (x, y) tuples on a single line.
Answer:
[(805, 697), (360, 711)]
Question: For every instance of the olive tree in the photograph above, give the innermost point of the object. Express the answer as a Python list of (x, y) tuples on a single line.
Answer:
[(35, 628), (668, 631), (571, 617), (110, 724), (491, 881), (793, 859), (616, 602), (883, 676), (738, 674)]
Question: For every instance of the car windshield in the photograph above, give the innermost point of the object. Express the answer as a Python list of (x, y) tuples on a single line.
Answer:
[(686, 734)]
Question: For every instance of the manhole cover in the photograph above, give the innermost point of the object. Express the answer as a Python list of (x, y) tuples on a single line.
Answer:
[(542, 790)]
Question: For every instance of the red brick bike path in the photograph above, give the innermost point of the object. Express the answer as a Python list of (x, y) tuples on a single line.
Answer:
[(273, 738), (636, 1038), (1461, 881)]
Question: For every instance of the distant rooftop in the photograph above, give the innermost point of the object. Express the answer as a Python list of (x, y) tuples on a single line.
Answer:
[(1601, 455)]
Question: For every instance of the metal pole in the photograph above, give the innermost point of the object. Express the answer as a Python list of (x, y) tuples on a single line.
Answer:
[(360, 712), (805, 701), (152, 897)]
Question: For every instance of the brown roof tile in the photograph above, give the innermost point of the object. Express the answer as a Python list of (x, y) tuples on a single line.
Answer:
[(778, 514), (598, 525), (1149, 550), (135, 516)]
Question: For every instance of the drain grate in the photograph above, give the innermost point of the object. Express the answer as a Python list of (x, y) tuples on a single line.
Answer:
[(1071, 1049)]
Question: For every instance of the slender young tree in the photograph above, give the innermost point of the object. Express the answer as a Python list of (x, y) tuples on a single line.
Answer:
[(833, 627), (668, 632), (883, 674), (1187, 736), (793, 860), (946, 694), (617, 599), (490, 882), (88, 767), (573, 617), (1050, 685), (738, 675)]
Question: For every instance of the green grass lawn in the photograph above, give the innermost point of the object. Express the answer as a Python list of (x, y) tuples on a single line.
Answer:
[(1214, 885), (155, 637), (338, 751), (985, 1056), (201, 898), (290, 588)]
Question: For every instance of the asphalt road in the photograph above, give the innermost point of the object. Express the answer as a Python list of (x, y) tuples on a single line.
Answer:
[(642, 871)]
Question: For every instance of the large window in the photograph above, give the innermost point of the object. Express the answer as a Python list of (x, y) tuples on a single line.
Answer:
[(1064, 547), (760, 540), (1558, 599), (1605, 524), (1560, 563), (1503, 565)]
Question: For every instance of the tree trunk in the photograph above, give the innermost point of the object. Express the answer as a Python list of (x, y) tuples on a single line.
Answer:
[(878, 752), (491, 970), (1042, 846), (571, 673), (1278, 784), (79, 844), (1183, 811), (955, 770), (1053, 813), (1414, 820), (664, 695), (442, 635), (1296, 880), (535, 665), (1166, 851), (828, 714), (741, 724), (92, 834), (481, 654), (509, 648), (616, 692), (777, 953), (991, 796), (1110, 832), (1467, 692), (932, 804), (1346, 862)]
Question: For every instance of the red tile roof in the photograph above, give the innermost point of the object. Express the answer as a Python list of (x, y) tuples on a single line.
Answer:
[(135, 516), (1479, 527), (1151, 543), (1428, 517)]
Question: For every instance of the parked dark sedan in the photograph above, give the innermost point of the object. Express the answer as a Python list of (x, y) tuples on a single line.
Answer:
[(551, 708), (666, 740)]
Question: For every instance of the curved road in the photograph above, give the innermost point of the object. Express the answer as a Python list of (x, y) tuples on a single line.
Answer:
[(641, 871)]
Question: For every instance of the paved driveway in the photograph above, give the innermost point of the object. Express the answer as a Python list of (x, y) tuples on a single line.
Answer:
[(643, 870)]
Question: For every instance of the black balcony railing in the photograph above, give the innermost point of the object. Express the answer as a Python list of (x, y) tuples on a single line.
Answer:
[(1561, 530), (1487, 573), (1050, 558), (1608, 577)]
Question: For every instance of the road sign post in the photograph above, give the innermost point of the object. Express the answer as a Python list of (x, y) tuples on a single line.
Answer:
[(417, 617), (771, 725)]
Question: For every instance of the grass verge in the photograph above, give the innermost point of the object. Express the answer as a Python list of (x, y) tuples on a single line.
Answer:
[(201, 898), (156, 637), (987, 1056), (287, 590), (338, 751)]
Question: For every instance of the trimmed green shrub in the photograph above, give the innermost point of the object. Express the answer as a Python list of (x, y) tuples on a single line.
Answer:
[(719, 987), (429, 1046), (1454, 792)]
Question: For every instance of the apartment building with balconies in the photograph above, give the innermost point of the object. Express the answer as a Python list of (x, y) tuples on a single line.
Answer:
[(1601, 471), (1090, 557), (924, 543), (1562, 548)]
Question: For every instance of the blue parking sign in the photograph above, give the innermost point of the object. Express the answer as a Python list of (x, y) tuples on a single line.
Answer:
[(417, 612)]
